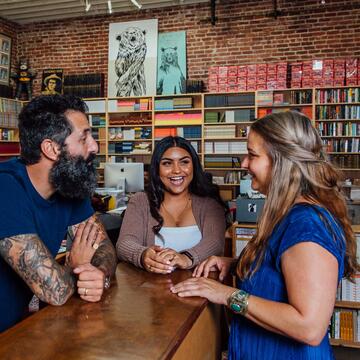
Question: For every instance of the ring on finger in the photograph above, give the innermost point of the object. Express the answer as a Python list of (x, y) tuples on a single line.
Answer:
[(86, 291), (150, 267), (95, 246)]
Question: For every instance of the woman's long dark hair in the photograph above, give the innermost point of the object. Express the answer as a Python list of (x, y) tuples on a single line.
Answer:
[(200, 185)]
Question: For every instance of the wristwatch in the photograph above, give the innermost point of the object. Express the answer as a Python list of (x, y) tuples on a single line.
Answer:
[(107, 282), (238, 302)]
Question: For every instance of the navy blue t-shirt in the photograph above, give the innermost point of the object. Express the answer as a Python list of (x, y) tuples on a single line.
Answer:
[(24, 211)]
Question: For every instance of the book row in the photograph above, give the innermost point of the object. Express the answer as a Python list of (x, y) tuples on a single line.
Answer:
[(349, 95), (338, 128), (336, 112), (342, 145), (345, 325)]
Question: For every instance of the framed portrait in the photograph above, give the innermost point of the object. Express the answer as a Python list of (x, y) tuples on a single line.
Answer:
[(52, 81), (5, 53), (171, 68), (132, 58)]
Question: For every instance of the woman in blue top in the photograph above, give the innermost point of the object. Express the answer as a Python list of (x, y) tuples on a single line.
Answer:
[(288, 273)]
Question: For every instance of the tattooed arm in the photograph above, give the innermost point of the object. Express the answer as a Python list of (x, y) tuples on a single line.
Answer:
[(29, 257)]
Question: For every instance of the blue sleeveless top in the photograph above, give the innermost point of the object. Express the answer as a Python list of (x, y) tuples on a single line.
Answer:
[(247, 340)]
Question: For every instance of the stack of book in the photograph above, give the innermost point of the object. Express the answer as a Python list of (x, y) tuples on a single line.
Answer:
[(183, 103), (142, 148), (218, 162), (221, 131), (211, 117), (126, 105), (8, 135), (164, 104), (179, 117), (97, 120)]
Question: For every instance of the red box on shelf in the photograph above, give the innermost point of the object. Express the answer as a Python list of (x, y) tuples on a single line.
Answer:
[(223, 71), (261, 86), (351, 71), (242, 71), (213, 70), (232, 88), (251, 87), (242, 86), (232, 80), (280, 85), (261, 69), (222, 87), (271, 69), (296, 74), (222, 80), (251, 70), (232, 71), (213, 88), (339, 65), (307, 82), (281, 67), (212, 81)]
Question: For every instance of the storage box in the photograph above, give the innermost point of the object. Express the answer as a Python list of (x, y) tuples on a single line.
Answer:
[(248, 210)]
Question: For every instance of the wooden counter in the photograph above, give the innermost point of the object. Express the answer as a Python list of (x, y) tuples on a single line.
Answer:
[(138, 318)]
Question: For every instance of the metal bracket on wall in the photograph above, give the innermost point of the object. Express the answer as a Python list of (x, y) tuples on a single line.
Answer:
[(213, 17)]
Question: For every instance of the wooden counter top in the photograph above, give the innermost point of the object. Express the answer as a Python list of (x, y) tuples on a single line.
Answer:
[(138, 318)]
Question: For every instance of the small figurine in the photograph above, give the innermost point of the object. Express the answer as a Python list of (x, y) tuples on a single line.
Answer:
[(23, 80)]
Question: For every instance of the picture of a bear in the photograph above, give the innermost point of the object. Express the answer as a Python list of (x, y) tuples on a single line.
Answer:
[(170, 77), (129, 64)]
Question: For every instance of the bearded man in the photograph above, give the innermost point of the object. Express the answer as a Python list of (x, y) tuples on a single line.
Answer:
[(45, 194)]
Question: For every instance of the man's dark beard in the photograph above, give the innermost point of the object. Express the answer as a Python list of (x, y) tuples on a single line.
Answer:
[(73, 176)]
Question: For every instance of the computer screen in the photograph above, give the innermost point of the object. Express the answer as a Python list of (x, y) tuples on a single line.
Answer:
[(132, 174)]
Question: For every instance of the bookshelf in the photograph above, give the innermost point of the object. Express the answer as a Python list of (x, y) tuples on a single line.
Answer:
[(9, 132), (269, 101), (344, 327), (337, 118), (130, 129), (227, 119)]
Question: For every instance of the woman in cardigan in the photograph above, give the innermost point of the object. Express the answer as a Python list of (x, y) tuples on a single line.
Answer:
[(180, 220), (288, 273)]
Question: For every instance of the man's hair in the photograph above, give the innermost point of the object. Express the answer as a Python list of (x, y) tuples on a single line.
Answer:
[(42, 118)]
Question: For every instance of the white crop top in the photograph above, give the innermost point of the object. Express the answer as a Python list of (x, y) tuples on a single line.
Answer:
[(178, 238)]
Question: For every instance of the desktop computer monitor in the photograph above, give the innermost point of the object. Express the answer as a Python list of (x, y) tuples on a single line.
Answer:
[(129, 176)]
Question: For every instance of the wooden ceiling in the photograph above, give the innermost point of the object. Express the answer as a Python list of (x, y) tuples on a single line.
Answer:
[(30, 11)]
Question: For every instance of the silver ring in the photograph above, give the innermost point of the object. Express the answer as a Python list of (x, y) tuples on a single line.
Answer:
[(86, 291), (95, 246)]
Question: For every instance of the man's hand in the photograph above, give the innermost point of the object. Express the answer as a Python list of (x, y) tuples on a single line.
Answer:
[(90, 282), (88, 236)]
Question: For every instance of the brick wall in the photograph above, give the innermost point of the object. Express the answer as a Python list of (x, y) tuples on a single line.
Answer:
[(244, 33)]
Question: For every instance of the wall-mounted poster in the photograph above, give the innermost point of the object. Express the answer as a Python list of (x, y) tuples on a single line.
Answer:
[(5, 51), (171, 69), (132, 58), (52, 81)]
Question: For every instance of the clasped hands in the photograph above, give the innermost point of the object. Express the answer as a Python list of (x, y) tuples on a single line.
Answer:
[(90, 282), (164, 260), (201, 285)]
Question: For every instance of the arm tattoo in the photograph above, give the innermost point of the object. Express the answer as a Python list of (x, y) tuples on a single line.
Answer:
[(105, 257), (30, 258)]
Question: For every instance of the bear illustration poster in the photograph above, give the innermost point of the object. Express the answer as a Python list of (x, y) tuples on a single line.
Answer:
[(171, 68), (132, 58)]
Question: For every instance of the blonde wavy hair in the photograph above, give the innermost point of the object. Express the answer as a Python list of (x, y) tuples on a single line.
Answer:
[(299, 168)]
